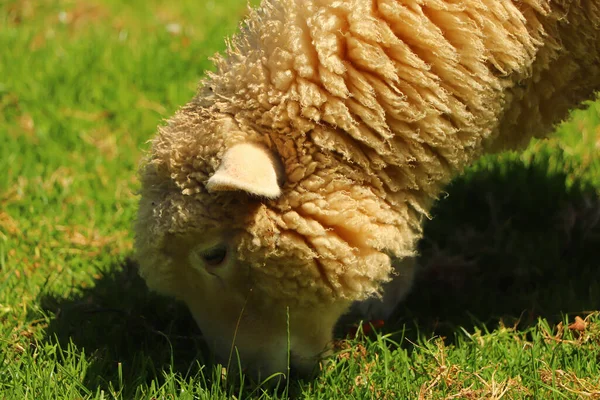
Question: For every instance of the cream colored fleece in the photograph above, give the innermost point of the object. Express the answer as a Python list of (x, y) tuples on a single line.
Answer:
[(371, 106)]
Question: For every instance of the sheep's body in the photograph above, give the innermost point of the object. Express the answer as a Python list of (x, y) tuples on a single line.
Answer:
[(370, 107)]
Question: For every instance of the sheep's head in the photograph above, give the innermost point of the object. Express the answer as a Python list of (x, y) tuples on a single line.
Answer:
[(260, 254)]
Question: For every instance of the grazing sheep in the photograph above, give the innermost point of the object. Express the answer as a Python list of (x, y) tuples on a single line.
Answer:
[(286, 188)]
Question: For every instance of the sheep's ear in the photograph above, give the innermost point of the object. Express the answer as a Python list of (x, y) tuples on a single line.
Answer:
[(250, 168)]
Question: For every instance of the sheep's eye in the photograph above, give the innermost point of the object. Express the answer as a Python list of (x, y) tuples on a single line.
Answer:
[(215, 256)]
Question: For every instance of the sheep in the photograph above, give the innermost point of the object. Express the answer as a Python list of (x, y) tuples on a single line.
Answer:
[(295, 183)]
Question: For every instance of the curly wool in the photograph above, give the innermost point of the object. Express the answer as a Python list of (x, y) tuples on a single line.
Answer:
[(371, 106)]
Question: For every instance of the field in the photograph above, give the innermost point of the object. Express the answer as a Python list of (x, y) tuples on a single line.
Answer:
[(503, 308)]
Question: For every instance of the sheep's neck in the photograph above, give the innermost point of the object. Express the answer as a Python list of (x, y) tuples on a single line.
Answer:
[(402, 95)]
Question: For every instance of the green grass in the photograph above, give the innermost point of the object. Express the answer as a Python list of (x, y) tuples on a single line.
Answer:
[(509, 261)]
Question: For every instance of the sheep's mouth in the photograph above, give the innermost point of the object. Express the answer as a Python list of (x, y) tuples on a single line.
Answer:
[(299, 370), (295, 372)]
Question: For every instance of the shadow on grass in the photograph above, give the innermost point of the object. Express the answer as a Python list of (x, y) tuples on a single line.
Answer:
[(512, 241), (121, 325)]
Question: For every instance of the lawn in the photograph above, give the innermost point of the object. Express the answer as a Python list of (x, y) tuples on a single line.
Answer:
[(504, 305)]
